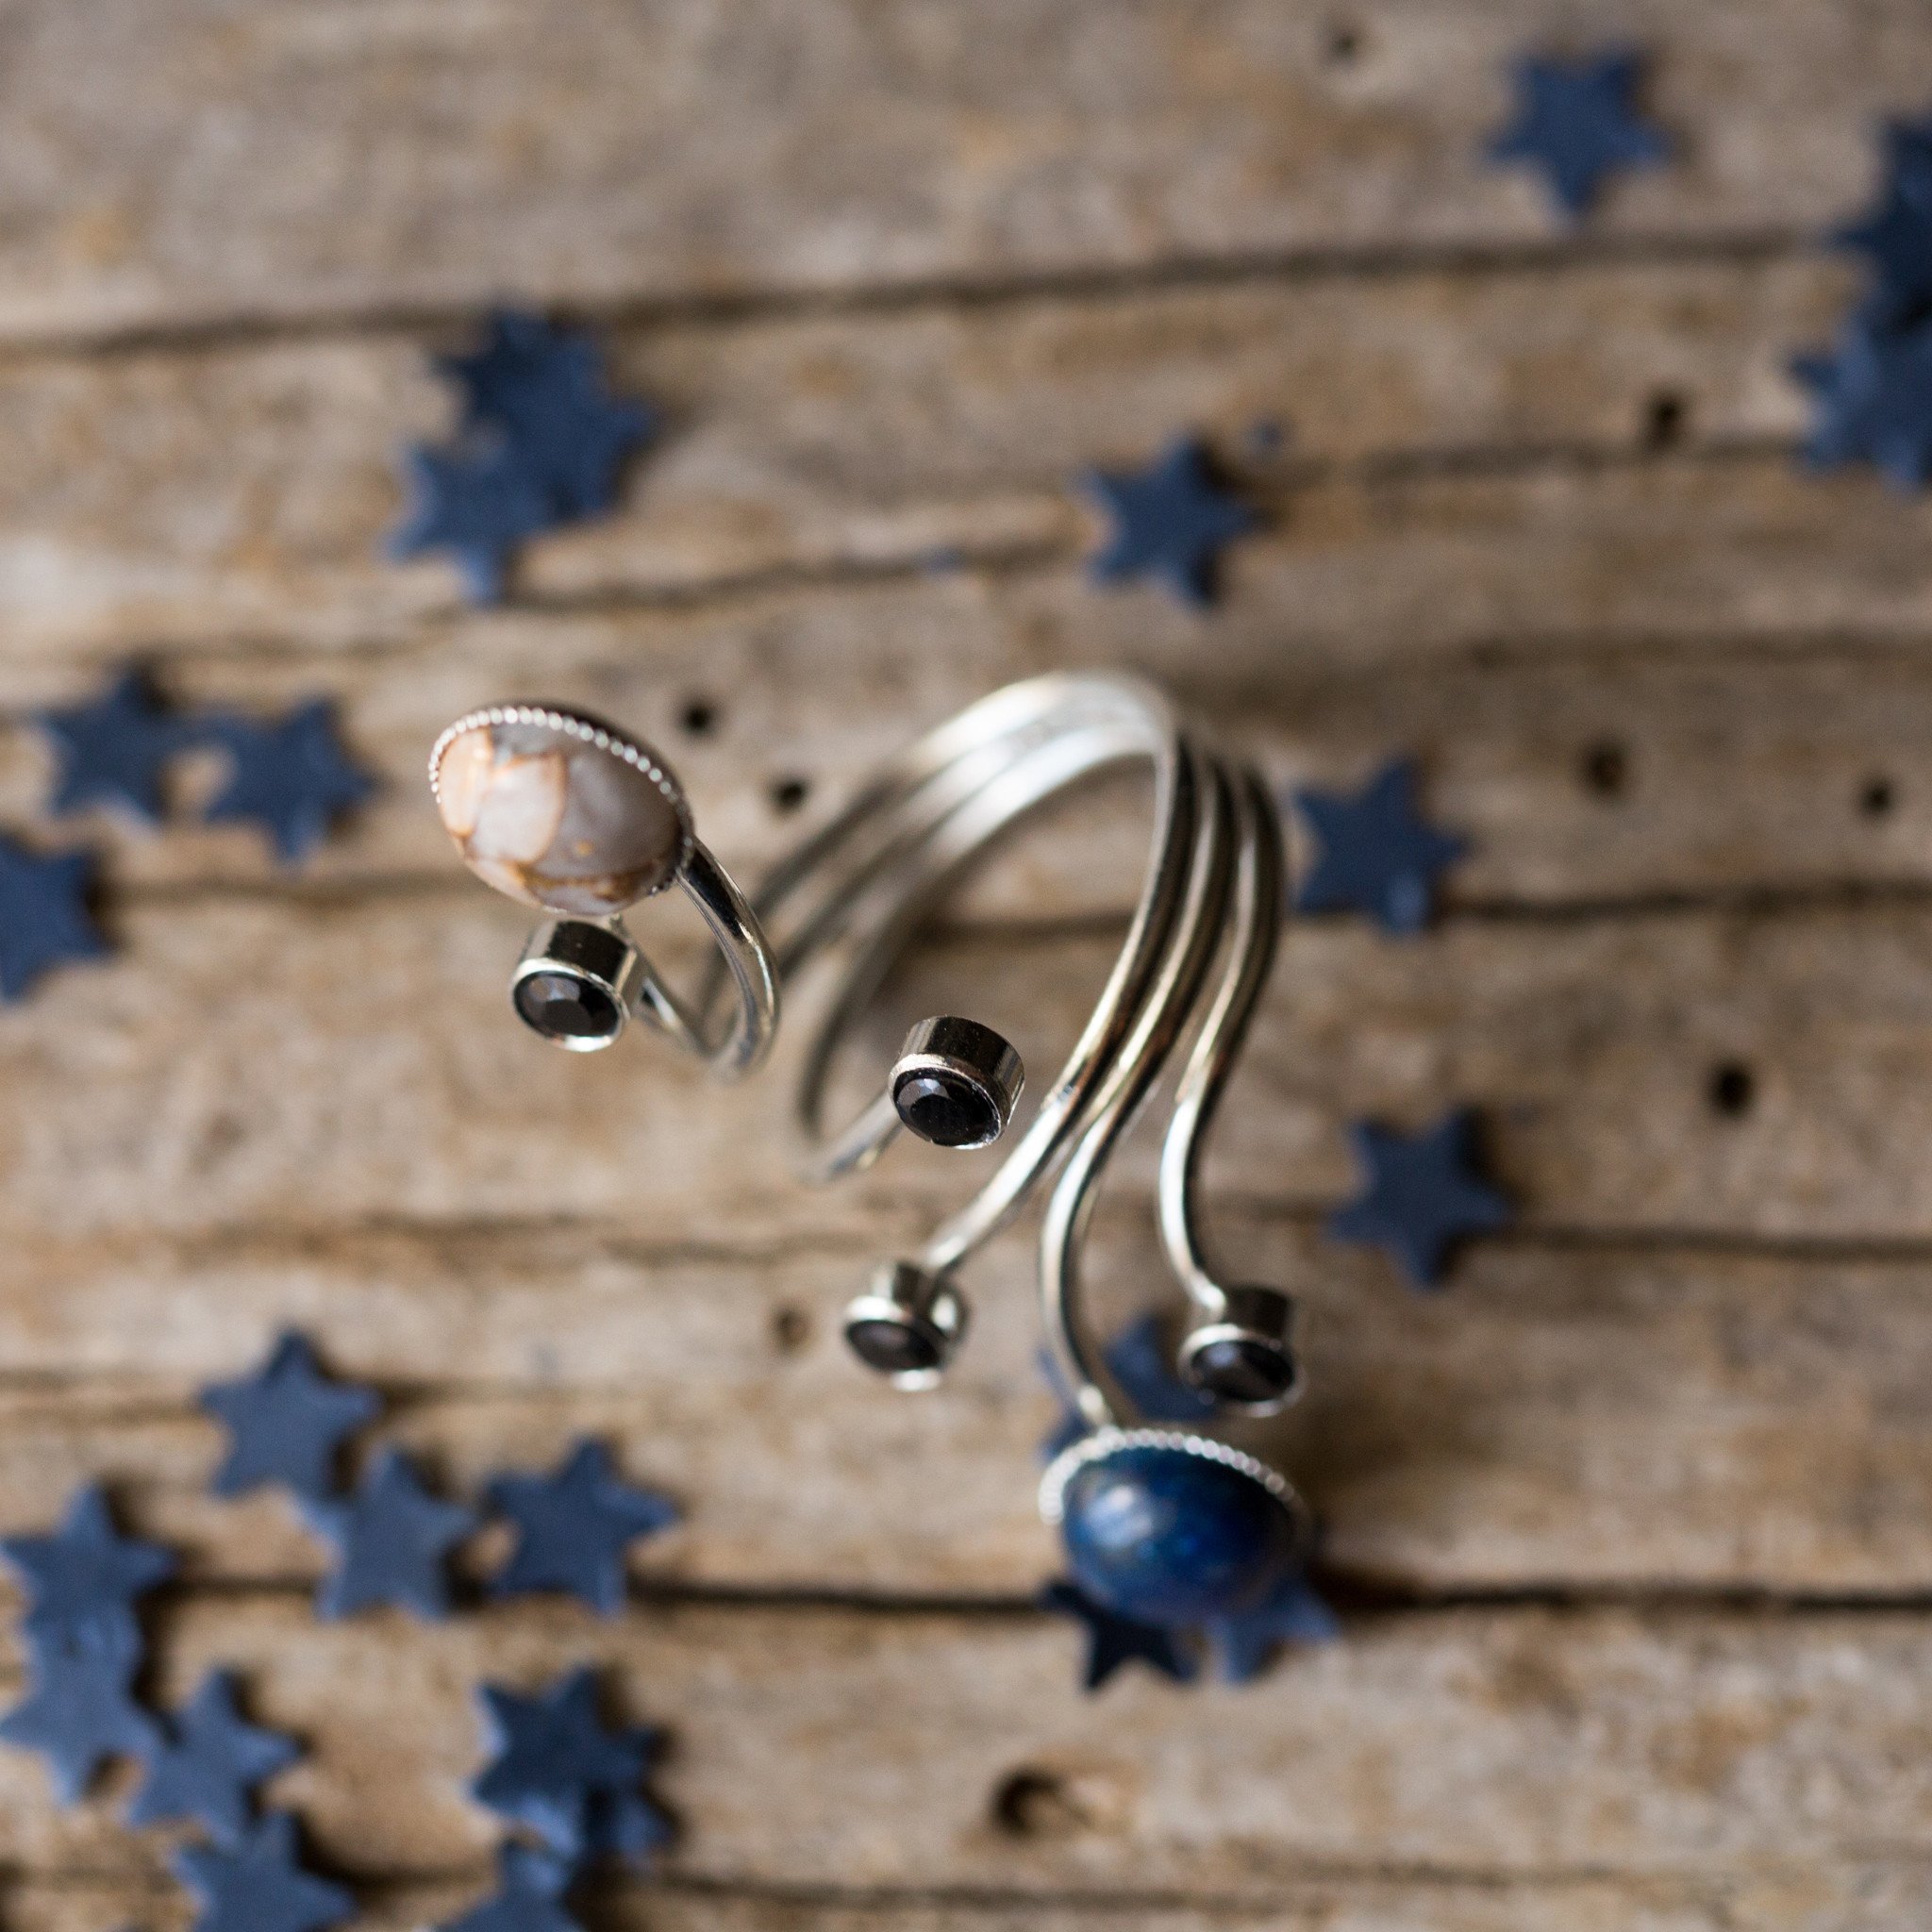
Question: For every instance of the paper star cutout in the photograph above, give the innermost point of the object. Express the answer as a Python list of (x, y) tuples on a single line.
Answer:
[(1872, 398), (292, 776), (43, 914), (393, 1542), (543, 389), (258, 1887), (207, 1763), (1171, 521), (478, 502), (1895, 233), (1245, 1645), (1377, 855), (82, 1580), (1112, 1640), (1422, 1195), (1140, 1361), (559, 1772), (574, 1527), (1579, 121), (78, 1710), (286, 1422), (531, 1888), (115, 749)]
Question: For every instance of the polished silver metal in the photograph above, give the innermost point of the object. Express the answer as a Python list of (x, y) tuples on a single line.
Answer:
[(843, 906), (1110, 1440), (577, 983)]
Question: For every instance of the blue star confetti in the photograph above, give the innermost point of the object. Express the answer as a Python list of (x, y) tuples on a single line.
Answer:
[(1872, 400), (574, 1527), (559, 1773), (1171, 521), (1579, 121), (1113, 1640), (393, 1542), (542, 442), (257, 1885), (1422, 1195), (1376, 852), (1140, 1360), (206, 1764), (79, 1710), (1894, 235), (530, 1890), (1245, 1645), (292, 777), (286, 1422), (115, 749), (81, 1581), (44, 915)]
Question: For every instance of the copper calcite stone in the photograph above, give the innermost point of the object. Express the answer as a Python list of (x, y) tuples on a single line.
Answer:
[(556, 821)]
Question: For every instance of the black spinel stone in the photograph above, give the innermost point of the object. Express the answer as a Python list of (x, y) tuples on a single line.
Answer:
[(1241, 1370), (895, 1348), (562, 1007), (945, 1111)]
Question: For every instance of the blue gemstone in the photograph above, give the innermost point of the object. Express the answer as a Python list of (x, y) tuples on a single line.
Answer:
[(1167, 1537)]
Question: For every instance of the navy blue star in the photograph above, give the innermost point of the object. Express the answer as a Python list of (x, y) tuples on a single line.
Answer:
[(82, 1581), (1377, 855), (43, 914), (1112, 1640), (78, 1710), (1171, 521), (1422, 1195), (1579, 121), (530, 1886), (258, 1887), (1872, 398), (286, 1422), (208, 1763), (290, 776), (542, 388), (115, 749), (1294, 1614), (574, 1527), (393, 1541), (1140, 1361), (1895, 233), (559, 1772), (478, 501)]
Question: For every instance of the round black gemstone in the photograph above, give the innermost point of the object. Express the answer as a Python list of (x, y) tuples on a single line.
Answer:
[(946, 1111), (894, 1348), (1242, 1368), (559, 1006)]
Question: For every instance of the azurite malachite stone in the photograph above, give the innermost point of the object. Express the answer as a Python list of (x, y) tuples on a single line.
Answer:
[(1160, 1534)]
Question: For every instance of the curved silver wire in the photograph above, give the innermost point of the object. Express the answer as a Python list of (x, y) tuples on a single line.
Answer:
[(1194, 962)]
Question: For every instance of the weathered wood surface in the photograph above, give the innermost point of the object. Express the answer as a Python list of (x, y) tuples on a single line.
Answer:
[(1631, 1528)]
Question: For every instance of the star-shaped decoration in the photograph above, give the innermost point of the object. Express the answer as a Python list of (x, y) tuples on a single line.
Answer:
[(559, 1773), (1377, 855), (1872, 402), (1139, 1360), (1112, 1640), (79, 1710), (286, 1422), (1895, 233), (292, 776), (1245, 1645), (257, 1884), (1422, 1195), (543, 390), (1579, 121), (572, 1528), (1171, 521), (209, 1762), (530, 1889), (44, 917), (393, 1542), (115, 749), (81, 1581), (478, 502)]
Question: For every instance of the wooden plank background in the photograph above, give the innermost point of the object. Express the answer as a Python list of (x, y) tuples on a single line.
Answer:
[(1631, 1530)]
